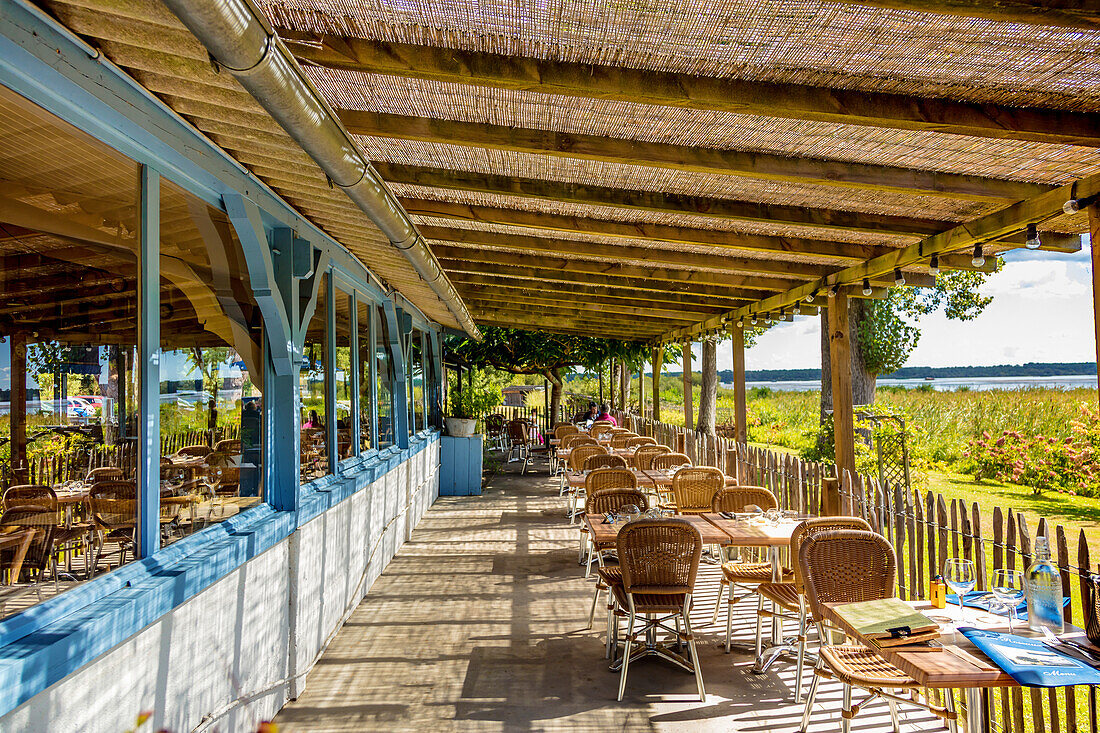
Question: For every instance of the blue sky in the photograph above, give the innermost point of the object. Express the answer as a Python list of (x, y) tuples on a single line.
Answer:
[(1041, 311)]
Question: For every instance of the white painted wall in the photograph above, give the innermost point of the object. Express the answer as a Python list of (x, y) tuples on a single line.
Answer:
[(254, 634)]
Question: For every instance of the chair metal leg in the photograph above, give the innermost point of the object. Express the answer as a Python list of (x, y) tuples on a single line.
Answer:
[(809, 703), (846, 710), (729, 618), (592, 612), (626, 656), (800, 664), (718, 601), (760, 624), (694, 654), (949, 703)]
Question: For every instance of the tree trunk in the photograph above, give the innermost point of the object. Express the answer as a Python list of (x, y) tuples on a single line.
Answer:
[(600, 370), (708, 395), (624, 380), (863, 382), (554, 377)]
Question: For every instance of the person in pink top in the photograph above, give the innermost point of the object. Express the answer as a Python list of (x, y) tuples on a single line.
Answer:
[(606, 415)]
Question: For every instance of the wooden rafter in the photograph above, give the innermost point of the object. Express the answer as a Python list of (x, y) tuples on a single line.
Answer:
[(1080, 15), (769, 99), (766, 166), (552, 305), (519, 290)]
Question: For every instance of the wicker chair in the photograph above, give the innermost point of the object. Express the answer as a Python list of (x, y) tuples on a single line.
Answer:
[(577, 457), (519, 442), (560, 431), (658, 562), (694, 487), (665, 461), (113, 506), (643, 457), (600, 424), (787, 597), (849, 566), (640, 441), (105, 473), (194, 451), (572, 441), (604, 461), (494, 431), (62, 537), (602, 502), (610, 478), (619, 440), (39, 555), (229, 445)]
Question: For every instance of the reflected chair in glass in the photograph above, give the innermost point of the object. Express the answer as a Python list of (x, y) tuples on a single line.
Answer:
[(194, 451), (231, 446), (577, 457), (603, 501), (694, 487), (850, 566), (105, 473), (643, 457), (113, 506), (39, 555), (787, 597), (68, 536), (658, 561)]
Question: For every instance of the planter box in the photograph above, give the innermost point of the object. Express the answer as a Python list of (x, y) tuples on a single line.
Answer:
[(460, 466)]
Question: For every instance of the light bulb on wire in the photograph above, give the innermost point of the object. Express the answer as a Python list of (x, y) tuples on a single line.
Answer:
[(979, 258), (867, 287), (934, 266), (1031, 240), (899, 279)]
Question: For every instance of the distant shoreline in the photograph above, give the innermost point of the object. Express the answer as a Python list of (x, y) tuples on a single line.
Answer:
[(1050, 369)]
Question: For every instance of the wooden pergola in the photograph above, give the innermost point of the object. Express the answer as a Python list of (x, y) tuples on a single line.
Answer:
[(663, 173)]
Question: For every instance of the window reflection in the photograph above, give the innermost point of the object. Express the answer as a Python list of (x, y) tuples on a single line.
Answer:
[(342, 376), (384, 379), (365, 361), (211, 370), (314, 414), (416, 354)]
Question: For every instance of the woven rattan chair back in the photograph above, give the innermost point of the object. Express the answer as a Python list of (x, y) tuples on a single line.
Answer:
[(643, 457), (36, 495), (604, 461), (600, 424), (106, 473), (494, 425), (217, 459), (736, 498), (517, 433), (562, 430), (619, 440), (195, 451), (578, 455), (640, 441), (816, 526), (113, 504), (618, 431), (665, 461), (694, 487), (659, 556), (31, 516), (229, 445), (846, 566), (612, 500), (578, 439), (610, 478)]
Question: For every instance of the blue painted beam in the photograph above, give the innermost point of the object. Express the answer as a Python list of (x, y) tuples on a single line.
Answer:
[(330, 373), (147, 531), (353, 383), (400, 393)]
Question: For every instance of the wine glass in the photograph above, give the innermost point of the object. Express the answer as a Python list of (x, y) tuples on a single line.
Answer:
[(959, 574), (630, 512), (1008, 589)]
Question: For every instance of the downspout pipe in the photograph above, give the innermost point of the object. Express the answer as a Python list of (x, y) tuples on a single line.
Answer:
[(242, 41)]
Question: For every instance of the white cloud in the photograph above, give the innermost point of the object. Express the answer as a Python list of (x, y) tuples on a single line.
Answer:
[(1040, 280)]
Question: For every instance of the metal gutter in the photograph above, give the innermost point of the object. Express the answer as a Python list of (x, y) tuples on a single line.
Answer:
[(241, 40)]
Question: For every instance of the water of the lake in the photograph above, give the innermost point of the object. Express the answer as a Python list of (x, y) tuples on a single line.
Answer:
[(946, 383)]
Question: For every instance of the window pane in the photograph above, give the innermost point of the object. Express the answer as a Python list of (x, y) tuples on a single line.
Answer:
[(314, 417), (385, 380), (417, 352), (342, 375), (68, 366), (366, 375), (211, 370)]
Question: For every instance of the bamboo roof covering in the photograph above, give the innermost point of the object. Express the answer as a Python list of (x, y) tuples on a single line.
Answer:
[(692, 158)]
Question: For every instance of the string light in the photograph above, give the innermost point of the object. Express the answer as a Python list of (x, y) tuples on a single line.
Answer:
[(810, 296), (1072, 206), (754, 318), (934, 266), (1032, 240), (834, 290), (741, 322), (899, 279), (979, 259), (867, 287)]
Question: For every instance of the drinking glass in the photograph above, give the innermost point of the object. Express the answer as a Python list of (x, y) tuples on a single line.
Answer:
[(1008, 589), (772, 517), (959, 574), (630, 512)]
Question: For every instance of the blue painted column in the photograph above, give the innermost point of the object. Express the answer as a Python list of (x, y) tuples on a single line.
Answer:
[(330, 372), (147, 532), (353, 365), (281, 398), (436, 381), (375, 328), (400, 387)]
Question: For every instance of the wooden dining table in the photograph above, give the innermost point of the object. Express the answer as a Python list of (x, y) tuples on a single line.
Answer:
[(604, 533), (960, 665)]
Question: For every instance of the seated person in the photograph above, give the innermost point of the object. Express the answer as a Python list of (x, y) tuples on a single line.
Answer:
[(605, 414), (313, 422), (586, 416)]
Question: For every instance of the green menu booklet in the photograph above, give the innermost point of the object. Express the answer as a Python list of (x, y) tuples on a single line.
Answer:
[(888, 622)]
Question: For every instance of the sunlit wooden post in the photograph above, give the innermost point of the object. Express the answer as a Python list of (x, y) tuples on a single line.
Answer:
[(641, 389), (18, 407), (611, 383), (1094, 239), (658, 359), (689, 423), (841, 367), (740, 410)]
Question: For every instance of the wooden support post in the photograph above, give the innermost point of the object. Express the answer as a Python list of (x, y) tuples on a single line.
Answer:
[(1094, 237), (740, 410), (18, 408), (624, 386), (641, 389), (841, 368), (658, 358), (689, 421), (611, 383)]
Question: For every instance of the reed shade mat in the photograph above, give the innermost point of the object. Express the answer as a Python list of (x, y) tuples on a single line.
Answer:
[(602, 532), (888, 622)]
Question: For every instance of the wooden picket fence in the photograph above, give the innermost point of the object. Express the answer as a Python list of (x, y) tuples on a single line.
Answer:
[(925, 529)]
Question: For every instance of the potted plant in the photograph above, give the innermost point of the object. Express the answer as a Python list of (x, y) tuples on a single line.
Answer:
[(466, 405)]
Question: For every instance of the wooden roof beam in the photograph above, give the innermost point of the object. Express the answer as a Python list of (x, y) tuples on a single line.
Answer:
[(766, 166), (580, 327), (1050, 13), (768, 99), (989, 228), (537, 289), (555, 305)]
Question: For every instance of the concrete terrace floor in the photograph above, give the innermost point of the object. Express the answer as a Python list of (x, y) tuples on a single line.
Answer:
[(478, 624)]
